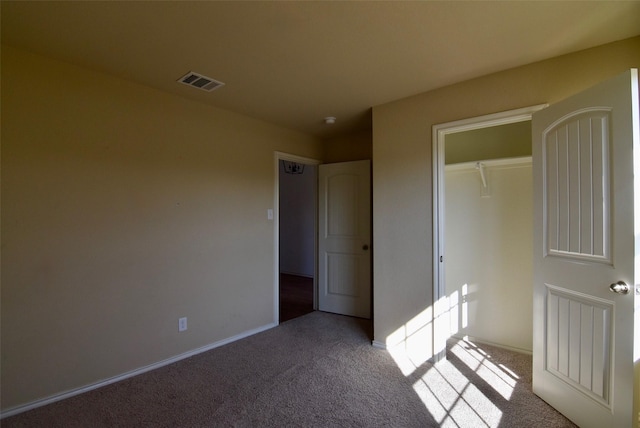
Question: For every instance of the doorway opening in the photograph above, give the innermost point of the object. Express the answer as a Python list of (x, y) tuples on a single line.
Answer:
[(295, 237), (475, 181)]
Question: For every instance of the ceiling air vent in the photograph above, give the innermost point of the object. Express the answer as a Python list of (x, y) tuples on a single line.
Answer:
[(199, 81)]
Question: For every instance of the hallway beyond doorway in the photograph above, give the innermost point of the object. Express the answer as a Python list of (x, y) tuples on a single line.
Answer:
[(296, 296)]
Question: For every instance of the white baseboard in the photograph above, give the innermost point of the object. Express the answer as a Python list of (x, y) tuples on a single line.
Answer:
[(378, 344), (497, 345), (77, 391)]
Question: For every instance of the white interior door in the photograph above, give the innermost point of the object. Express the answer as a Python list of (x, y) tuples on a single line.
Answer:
[(584, 240), (344, 238)]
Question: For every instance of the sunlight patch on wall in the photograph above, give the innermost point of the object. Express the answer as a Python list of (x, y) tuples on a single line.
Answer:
[(441, 325), (465, 306), (458, 309), (411, 344), (454, 311)]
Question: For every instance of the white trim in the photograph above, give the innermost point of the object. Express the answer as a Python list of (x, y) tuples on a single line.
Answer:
[(635, 142), (475, 340), (378, 344), (438, 227), (381, 345), (437, 141), (489, 120), (77, 391), (296, 158), (491, 163), (277, 157)]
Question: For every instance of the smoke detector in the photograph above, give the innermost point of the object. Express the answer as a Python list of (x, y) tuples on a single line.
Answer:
[(330, 120), (200, 82)]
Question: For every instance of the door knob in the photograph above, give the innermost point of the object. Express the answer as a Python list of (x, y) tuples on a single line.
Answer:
[(619, 287), (365, 247)]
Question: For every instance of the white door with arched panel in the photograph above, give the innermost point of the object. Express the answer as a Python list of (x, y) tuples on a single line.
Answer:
[(586, 233)]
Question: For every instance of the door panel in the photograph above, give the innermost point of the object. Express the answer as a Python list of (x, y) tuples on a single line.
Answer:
[(578, 341), (344, 229), (584, 230), (575, 157)]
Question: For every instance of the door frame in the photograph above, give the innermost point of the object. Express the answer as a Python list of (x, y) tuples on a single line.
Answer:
[(277, 157), (440, 131)]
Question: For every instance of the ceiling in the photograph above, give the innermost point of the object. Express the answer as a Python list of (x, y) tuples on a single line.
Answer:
[(294, 63)]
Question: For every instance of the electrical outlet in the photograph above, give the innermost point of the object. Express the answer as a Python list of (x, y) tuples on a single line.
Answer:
[(182, 324)]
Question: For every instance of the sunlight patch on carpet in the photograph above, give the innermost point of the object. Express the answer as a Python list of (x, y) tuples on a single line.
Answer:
[(450, 395), (478, 361), (453, 400)]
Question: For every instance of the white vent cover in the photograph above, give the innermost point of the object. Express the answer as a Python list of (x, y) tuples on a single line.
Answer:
[(199, 81)]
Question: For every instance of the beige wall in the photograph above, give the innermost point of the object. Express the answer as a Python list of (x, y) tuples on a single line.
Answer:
[(123, 209), (402, 197), (346, 148), (504, 141)]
